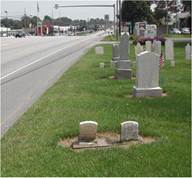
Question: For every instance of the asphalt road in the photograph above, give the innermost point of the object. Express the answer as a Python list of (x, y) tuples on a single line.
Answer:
[(30, 65)]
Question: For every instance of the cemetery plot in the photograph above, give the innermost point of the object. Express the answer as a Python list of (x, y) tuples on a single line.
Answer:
[(30, 147)]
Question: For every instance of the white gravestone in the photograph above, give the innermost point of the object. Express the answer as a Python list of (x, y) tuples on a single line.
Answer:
[(87, 131), (138, 49), (123, 70), (169, 49), (99, 50), (188, 54), (157, 47), (147, 75), (129, 131), (102, 65), (148, 46)]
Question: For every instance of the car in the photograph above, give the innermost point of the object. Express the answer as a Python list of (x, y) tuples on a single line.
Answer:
[(20, 34), (175, 31), (185, 30)]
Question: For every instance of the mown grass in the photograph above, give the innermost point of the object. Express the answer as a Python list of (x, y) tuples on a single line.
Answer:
[(178, 35), (109, 38), (85, 92)]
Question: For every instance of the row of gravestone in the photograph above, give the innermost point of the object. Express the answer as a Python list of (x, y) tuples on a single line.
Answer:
[(88, 131), (147, 64), (156, 48), (147, 68)]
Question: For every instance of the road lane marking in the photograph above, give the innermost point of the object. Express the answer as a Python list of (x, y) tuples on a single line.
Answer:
[(34, 62)]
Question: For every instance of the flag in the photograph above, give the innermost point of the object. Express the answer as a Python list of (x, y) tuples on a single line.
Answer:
[(161, 60), (37, 6)]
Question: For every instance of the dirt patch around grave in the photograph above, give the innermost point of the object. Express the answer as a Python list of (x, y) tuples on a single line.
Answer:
[(110, 139)]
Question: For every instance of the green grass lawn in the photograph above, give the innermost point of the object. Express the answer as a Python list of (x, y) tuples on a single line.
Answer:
[(178, 35), (109, 38), (85, 92)]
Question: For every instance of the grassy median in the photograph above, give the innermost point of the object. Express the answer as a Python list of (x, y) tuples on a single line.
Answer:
[(86, 92)]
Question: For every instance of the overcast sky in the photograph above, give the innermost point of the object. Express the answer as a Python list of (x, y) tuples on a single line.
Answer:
[(16, 8)]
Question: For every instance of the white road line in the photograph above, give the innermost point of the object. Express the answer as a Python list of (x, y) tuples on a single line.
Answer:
[(36, 61)]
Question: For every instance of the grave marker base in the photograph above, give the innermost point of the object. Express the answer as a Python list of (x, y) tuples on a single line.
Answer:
[(123, 73), (144, 92)]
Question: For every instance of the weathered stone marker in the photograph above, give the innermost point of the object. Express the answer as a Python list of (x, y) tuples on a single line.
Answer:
[(156, 47), (99, 50), (129, 131), (188, 54), (148, 46), (102, 65), (169, 49), (147, 75), (123, 70), (138, 49), (87, 131)]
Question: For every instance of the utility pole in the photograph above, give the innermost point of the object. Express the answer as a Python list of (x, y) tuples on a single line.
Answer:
[(6, 12), (117, 19), (120, 18)]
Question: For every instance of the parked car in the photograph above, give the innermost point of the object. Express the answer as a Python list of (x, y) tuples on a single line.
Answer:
[(175, 31), (20, 34), (185, 30)]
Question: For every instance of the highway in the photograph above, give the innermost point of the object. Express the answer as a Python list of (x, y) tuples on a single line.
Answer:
[(31, 65)]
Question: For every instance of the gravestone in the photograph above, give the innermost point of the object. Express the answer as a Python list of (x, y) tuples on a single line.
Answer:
[(123, 65), (129, 131), (102, 65), (99, 50), (87, 131), (138, 49), (115, 53), (156, 48), (188, 54), (169, 50), (147, 75), (148, 46)]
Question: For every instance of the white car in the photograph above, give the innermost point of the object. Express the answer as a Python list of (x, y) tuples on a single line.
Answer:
[(185, 30), (175, 31)]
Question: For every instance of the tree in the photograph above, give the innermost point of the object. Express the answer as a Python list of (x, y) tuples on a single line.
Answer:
[(135, 11)]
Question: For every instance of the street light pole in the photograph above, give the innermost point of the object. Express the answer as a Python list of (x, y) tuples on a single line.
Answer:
[(6, 12)]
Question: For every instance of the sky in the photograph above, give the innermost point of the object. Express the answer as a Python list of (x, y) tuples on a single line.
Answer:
[(16, 8)]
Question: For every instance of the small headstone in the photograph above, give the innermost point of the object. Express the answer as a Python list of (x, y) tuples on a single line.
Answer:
[(138, 49), (87, 131), (99, 50), (148, 46), (157, 47), (188, 54), (102, 65), (115, 52), (129, 130), (147, 75), (169, 50), (172, 62)]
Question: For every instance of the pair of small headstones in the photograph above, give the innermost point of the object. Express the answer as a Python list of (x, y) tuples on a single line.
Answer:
[(88, 130)]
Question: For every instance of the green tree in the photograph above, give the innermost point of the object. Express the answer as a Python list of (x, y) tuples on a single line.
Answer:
[(135, 11)]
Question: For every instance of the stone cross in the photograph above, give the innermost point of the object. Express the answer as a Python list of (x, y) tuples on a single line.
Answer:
[(87, 131), (138, 49), (148, 46), (99, 50), (147, 75), (129, 131), (115, 52), (157, 47), (169, 50), (188, 54)]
